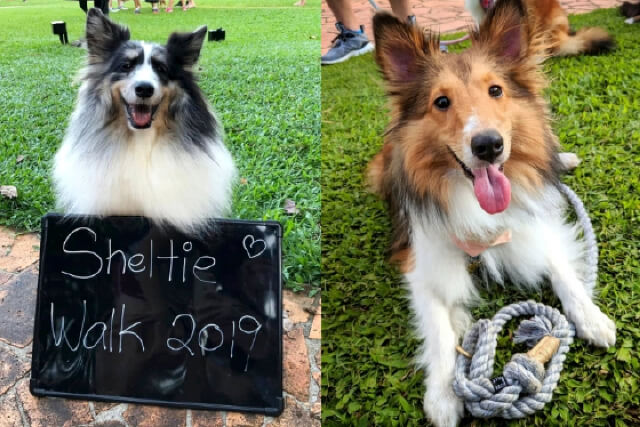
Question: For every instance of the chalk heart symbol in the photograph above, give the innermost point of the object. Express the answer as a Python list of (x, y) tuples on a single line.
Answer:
[(254, 247)]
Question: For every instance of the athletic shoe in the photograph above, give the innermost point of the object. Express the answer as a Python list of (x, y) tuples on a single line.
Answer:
[(123, 8), (136, 11), (347, 44)]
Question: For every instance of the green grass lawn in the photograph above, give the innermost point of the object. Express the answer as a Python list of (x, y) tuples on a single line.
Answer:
[(264, 82), (368, 344)]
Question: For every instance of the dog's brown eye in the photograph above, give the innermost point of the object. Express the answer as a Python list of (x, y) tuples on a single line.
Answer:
[(442, 103), (160, 68), (126, 67), (495, 91)]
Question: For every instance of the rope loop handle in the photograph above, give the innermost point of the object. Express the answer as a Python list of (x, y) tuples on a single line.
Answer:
[(524, 386)]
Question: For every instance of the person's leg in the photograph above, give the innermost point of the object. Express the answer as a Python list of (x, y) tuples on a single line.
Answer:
[(343, 13), (192, 4), (136, 3), (352, 41), (154, 7), (170, 6), (401, 9)]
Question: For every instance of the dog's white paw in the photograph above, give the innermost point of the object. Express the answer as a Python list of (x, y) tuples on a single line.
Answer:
[(569, 161), (443, 407), (629, 21), (594, 326)]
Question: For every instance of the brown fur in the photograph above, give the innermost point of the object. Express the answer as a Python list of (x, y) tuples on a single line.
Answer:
[(411, 171), (553, 22)]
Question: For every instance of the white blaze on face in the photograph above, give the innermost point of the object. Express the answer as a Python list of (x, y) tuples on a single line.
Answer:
[(143, 73), (469, 129)]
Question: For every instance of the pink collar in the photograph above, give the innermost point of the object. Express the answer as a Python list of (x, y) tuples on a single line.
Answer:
[(475, 248)]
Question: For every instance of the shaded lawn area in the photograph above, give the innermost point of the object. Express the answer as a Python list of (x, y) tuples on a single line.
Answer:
[(263, 81), (368, 344)]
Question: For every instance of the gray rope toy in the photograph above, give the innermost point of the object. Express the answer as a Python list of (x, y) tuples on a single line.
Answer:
[(524, 387)]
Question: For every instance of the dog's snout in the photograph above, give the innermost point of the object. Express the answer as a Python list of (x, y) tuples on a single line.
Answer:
[(487, 145), (144, 90)]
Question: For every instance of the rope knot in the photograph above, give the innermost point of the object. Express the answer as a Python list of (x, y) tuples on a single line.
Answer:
[(525, 372), (525, 386)]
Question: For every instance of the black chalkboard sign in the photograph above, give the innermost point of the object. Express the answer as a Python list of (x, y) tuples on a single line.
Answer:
[(129, 311)]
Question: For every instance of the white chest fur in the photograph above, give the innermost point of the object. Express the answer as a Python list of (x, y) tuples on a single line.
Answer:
[(144, 175)]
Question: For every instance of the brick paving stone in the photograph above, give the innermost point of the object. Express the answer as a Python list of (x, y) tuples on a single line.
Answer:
[(5, 277), (236, 419), (296, 370), (110, 423), (17, 308), (316, 410), (9, 412), (154, 416), (99, 407), (6, 240), (51, 411), (12, 368), (316, 332), (206, 419), (316, 377), (23, 253), (439, 15), (294, 415), (297, 306)]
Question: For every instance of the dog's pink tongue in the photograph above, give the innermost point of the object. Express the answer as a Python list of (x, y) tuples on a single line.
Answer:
[(492, 188), (141, 115)]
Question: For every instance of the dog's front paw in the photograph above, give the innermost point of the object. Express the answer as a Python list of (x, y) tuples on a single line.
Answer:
[(443, 407), (629, 21), (594, 326)]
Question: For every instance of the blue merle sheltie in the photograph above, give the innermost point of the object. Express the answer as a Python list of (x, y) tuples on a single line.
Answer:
[(142, 139)]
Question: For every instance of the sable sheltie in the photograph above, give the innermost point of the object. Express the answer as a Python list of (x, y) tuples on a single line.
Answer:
[(554, 25), (469, 168), (142, 139)]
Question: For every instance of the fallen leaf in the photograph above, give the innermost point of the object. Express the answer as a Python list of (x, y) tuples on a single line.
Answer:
[(290, 207), (9, 191)]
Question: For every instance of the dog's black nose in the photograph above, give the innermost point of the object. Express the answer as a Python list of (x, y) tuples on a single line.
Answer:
[(144, 90), (487, 145)]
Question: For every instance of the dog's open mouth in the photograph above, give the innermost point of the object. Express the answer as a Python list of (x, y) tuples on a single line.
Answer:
[(490, 185), (140, 115)]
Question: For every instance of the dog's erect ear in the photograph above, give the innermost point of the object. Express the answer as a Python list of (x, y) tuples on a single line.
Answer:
[(103, 35), (401, 49), (184, 48), (507, 30)]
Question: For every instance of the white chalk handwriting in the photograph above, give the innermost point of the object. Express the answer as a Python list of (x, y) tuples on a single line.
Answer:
[(211, 337)]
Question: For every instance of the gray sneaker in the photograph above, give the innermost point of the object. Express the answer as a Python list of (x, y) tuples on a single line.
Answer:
[(348, 43)]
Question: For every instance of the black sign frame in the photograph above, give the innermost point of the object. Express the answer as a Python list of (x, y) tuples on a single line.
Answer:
[(270, 389)]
